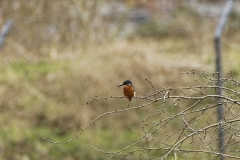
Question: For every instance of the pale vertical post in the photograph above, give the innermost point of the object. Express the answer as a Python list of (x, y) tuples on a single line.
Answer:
[(5, 30), (217, 41)]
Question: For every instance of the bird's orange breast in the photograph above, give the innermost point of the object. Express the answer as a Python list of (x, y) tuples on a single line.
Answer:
[(128, 91)]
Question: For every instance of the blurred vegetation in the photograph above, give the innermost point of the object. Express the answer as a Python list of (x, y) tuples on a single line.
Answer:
[(59, 54)]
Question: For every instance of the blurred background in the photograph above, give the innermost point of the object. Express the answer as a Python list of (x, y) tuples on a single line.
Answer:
[(59, 54)]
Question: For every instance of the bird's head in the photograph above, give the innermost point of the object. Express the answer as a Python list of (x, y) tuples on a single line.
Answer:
[(126, 83)]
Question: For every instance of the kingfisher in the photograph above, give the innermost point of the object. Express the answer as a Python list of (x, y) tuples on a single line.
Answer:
[(128, 89)]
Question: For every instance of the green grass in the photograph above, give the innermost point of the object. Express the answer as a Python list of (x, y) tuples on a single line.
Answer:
[(46, 98)]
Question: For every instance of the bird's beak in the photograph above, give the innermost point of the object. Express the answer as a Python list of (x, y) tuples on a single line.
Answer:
[(120, 85)]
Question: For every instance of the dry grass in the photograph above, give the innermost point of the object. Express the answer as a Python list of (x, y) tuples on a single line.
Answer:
[(45, 81)]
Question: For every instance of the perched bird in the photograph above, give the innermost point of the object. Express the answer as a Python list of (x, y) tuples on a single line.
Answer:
[(128, 89)]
